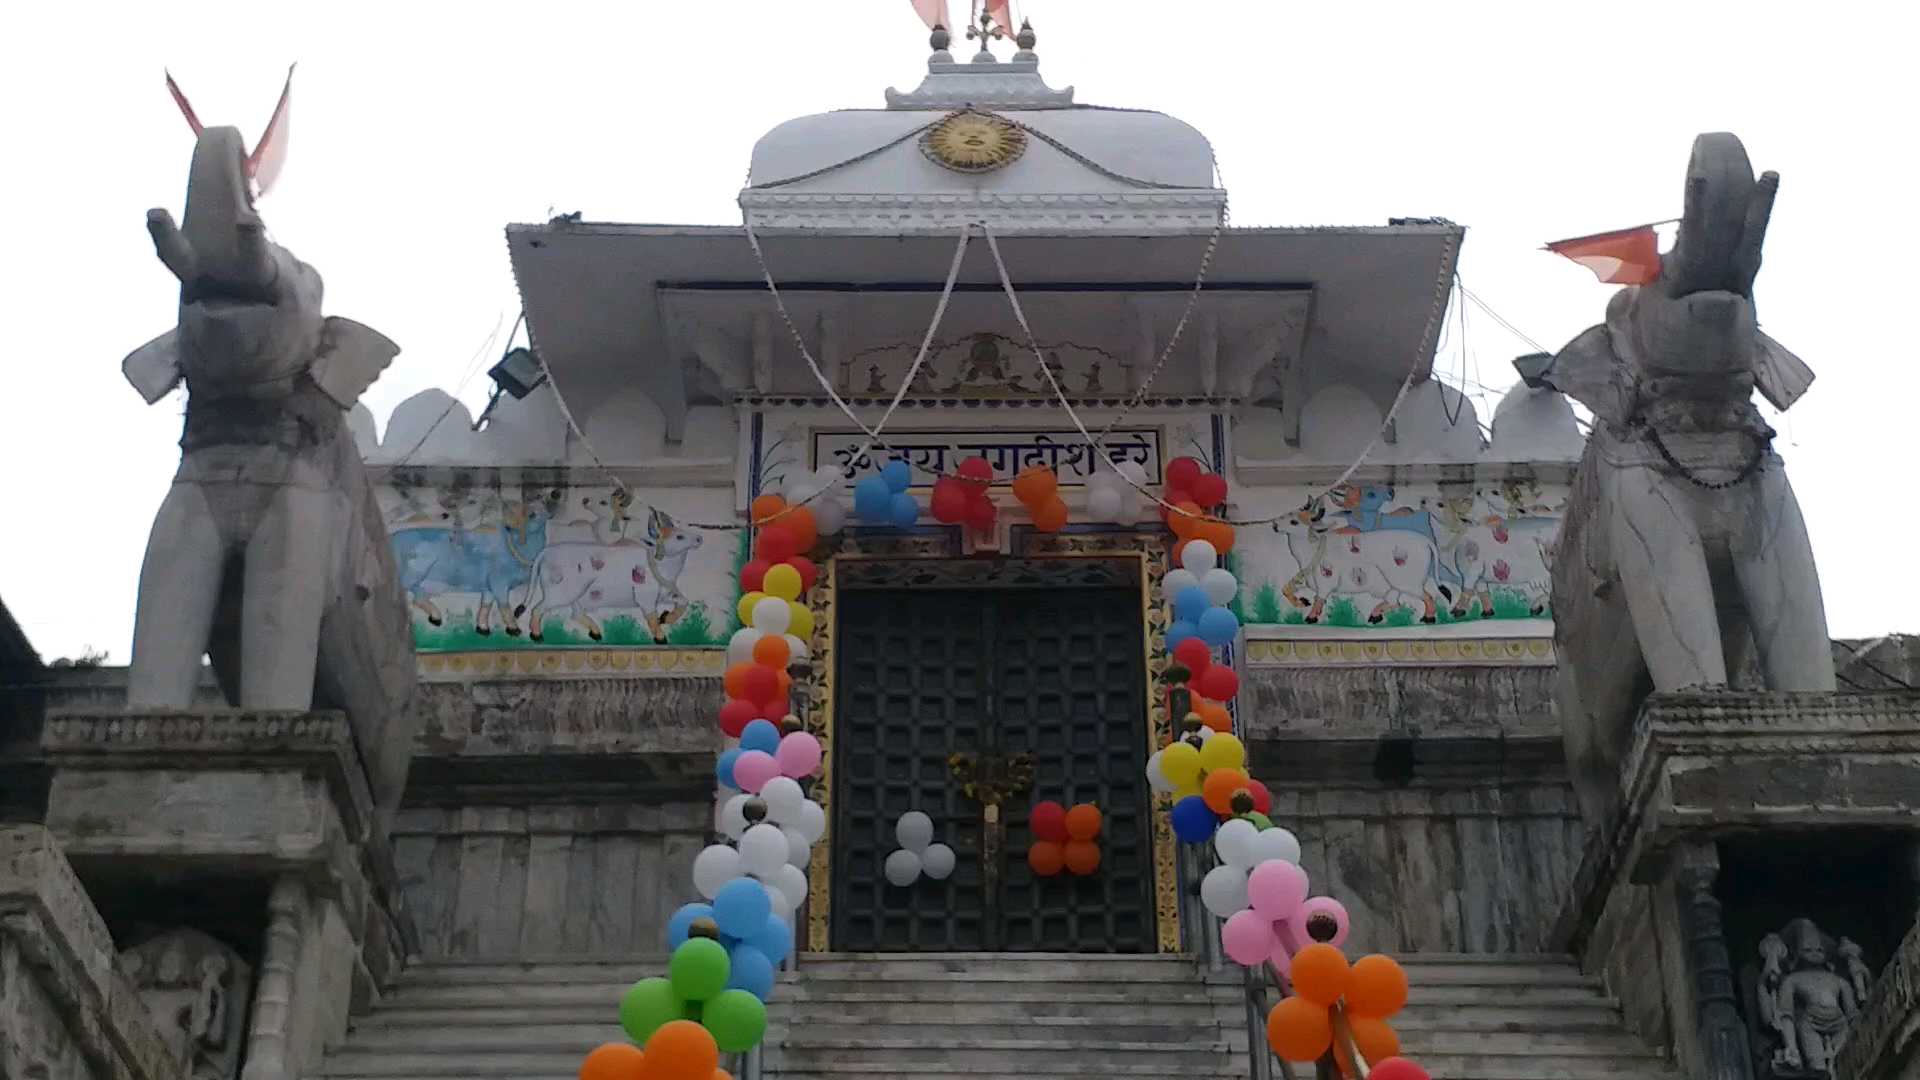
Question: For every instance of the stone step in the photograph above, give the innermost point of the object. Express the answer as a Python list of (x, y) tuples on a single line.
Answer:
[(1035, 1057), (534, 972)]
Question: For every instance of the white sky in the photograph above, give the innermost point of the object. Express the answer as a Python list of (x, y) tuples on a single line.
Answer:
[(421, 129)]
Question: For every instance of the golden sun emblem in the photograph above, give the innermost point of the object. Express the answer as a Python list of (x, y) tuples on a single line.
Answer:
[(974, 142)]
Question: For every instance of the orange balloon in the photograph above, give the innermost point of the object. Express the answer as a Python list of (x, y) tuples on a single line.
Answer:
[(1185, 526), (1046, 858), (722, 1074), (1083, 822), (1379, 987), (1179, 549), (1217, 533), (1035, 485), (1083, 856), (806, 531), (681, 1050), (736, 678), (1050, 515), (1320, 973), (766, 506), (614, 1061), (786, 686), (1299, 1030), (1374, 1038), (1219, 787), (1214, 715), (773, 651)]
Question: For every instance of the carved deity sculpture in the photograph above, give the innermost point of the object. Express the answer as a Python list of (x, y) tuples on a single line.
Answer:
[(1682, 539), (196, 988), (269, 554), (1800, 1006)]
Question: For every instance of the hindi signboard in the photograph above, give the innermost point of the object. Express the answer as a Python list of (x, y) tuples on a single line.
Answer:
[(935, 453)]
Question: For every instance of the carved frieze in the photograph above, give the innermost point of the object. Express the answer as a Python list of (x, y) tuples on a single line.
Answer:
[(1802, 995), (197, 990)]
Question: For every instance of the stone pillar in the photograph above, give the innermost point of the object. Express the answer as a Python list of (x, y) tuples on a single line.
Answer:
[(267, 1041), (1720, 1038)]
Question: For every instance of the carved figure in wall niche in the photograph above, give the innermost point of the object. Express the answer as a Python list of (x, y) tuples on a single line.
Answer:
[(1802, 1005), (1854, 958), (196, 989)]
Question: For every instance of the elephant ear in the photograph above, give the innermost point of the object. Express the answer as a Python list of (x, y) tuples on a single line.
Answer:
[(154, 368), (1780, 375), (351, 357), (1589, 371)]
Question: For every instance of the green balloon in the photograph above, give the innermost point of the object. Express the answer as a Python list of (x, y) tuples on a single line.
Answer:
[(736, 1020), (1260, 821), (647, 1005), (699, 968)]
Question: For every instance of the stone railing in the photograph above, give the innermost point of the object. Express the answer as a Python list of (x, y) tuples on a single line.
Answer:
[(1883, 1035)]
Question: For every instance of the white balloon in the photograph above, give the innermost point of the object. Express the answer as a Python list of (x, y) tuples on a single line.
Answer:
[(1198, 556), (783, 797), (811, 821), (791, 882), (1156, 779), (938, 861), (798, 850), (1224, 890), (915, 831), (733, 816), (1220, 585), (1132, 470), (1235, 842), (772, 615), (1103, 504), (1205, 733), (796, 649), (1276, 843), (827, 477), (1177, 581), (715, 866), (763, 849), (740, 648), (829, 514), (776, 898), (903, 867)]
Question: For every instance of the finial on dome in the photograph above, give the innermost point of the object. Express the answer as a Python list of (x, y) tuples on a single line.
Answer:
[(939, 40), (1025, 39), (988, 29)]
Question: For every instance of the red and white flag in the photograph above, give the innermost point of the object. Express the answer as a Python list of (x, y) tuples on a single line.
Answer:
[(1623, 257), (270, 153), (931, 12), (1002, 12)]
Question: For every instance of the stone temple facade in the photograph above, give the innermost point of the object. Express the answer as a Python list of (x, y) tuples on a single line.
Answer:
[(427, 807)]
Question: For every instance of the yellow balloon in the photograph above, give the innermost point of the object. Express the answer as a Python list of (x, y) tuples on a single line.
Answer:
[(1180, 764), (782, 581), (801, 625), (1185, 790), (1223, 751), (746, 607)]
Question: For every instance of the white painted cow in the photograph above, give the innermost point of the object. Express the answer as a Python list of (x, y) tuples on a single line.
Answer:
[(577, 579), (1393, 567)]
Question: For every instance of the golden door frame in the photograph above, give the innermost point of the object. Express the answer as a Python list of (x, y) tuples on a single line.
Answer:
[(1146, 549)]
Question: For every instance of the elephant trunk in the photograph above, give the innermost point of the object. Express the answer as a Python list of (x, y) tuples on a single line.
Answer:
[(222, 251)]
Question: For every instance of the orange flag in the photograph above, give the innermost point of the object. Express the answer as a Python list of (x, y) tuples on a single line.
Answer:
[(1624, 257), (1002, 12), (270, 153), (931, 12)]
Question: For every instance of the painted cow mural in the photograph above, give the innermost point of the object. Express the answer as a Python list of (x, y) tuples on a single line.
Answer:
[(492, 562), (578, 580)]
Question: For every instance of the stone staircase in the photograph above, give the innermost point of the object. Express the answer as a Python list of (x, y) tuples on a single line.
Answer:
[(991, 1017)]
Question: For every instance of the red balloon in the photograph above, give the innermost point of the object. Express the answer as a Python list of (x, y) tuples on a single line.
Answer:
[(1218, 682), (735, 715), (760, 683), (754, 574), (1182, 472), (982, 514), (1193, 655), (1262, 798), (976, 470), (1397, 1068), (949, 501), (776, 708), (1209, 490), (808, 572), (1171, 497), (1049, 821), (775, 544)]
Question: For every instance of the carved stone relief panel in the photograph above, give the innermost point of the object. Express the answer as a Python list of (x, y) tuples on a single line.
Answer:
[(197, 990), (1802, 994)]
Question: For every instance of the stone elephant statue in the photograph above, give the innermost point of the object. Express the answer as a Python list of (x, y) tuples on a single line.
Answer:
[(1683, 543), (269, 554)]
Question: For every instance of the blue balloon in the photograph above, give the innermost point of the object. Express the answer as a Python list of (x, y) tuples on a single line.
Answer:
[(905, 510), (897, 475), (1191, 604), (873, 500), (741, 908), (775, 939), (1179, 632), (1193, 821), (1218, 626), (760, 735), (724, 767), (751, 971), (682, 922)]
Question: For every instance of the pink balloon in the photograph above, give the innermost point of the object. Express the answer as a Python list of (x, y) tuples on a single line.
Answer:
[(1248, 937), (754, 769), (1281, 957), (1324, 905), (1275, 888), (798, 756)]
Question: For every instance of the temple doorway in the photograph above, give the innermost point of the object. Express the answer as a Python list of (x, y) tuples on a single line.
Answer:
[(971, 701)]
